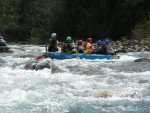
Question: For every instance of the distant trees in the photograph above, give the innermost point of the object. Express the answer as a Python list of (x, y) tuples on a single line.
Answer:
[(35, 20), (142, 29), (8, 14)]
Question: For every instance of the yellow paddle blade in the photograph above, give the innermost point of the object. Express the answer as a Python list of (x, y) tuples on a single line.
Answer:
[(115, 57), (76, 54)]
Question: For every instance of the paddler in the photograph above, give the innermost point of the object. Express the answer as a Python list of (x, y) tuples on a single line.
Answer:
[(2, 41), (88, 46), (52, 45), (69, 46), (98, 49), (107, 48), (80, 47)]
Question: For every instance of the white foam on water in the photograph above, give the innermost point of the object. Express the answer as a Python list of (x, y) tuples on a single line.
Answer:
[(101, 89)]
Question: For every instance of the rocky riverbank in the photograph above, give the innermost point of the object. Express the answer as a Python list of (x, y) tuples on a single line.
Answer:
[(133, 45)]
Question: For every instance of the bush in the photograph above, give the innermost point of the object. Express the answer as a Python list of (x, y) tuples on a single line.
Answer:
[(142, 30)]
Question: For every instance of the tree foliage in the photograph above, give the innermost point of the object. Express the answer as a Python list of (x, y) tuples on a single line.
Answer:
[(142, 29), (35, 20)]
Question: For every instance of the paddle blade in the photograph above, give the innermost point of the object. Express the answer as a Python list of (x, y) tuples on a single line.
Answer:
[(77, 54), (115, 57), (39, 57)]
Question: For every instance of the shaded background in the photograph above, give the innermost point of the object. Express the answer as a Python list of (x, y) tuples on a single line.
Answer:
[(34, 21)]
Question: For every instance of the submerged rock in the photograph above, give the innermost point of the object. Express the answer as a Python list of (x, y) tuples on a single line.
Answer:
[(38, 65), (5, 49), (142, 60)]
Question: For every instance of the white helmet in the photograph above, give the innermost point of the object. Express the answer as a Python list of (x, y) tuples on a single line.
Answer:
[(53, 35)]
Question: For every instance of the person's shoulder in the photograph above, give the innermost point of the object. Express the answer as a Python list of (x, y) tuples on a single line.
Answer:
[(89, 43)]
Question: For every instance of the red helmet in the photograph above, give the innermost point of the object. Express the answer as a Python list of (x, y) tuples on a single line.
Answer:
[(79, 41), (89, 39)]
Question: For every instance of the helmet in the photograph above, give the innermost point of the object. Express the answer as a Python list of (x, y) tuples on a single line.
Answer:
[(89, 39), (99, 42), (79, 41), (106, 41), (53, 35), (68, 38)]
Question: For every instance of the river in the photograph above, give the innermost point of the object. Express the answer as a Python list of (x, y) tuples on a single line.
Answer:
[(74, 85)]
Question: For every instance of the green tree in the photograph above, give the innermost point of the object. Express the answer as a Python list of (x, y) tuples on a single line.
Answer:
[(8, 15)]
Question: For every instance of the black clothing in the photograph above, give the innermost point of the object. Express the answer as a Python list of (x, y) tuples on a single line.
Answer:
[(105, 48), (53, 45), (51, 49)]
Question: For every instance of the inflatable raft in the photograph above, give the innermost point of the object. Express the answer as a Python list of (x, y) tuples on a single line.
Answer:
[(62, 56)]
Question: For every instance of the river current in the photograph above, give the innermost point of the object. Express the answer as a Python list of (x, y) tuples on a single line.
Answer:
[(74, 85)]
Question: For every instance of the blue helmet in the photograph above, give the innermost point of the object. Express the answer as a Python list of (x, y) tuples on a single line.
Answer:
[(106, 40), (99, 41)]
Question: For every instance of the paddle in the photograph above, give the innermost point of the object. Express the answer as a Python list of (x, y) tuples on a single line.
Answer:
[(77, 54), (115, 56), (39, 57)]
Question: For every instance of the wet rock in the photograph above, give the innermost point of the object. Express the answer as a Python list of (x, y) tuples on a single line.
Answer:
[(105, 94), (130, 49), (136, 47), (134, 95), (123, 50), (142, 60), (108, 93), (143, 81), (141, 49), (6, 49), (38, 65)]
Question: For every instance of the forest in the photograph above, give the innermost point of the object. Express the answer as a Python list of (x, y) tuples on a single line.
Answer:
[(35, 20)]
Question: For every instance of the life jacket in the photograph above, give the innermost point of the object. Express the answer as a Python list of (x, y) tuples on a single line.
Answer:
[(67, 48), (88, 48)]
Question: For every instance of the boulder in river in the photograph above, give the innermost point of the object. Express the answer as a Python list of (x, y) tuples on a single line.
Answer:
[(142, 60), (38, 65)]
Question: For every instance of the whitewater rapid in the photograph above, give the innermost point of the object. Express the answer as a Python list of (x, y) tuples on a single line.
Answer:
[(74, 85)]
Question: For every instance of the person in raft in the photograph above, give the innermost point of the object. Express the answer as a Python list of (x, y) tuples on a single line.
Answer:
[(88, 46), (80, 47), (98, 49), (52, 45), (69, 46), (107, 48), (2, 41)]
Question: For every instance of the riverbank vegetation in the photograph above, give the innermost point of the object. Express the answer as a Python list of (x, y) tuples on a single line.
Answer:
[(35, 20)]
